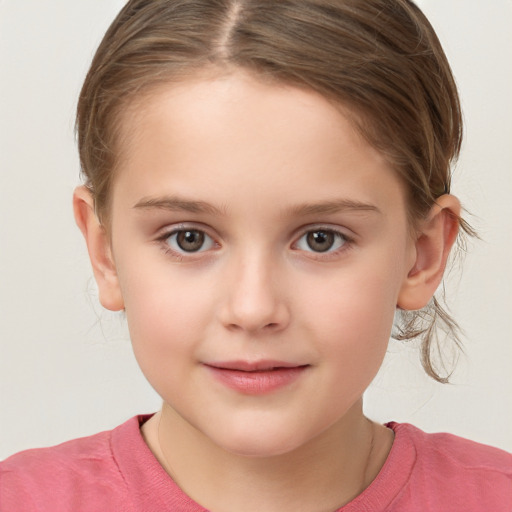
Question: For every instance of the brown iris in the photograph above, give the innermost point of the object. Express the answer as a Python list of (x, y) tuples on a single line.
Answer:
[(320, 241), (190, 241)]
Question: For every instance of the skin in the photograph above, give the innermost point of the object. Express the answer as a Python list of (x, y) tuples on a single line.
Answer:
[(260, 156)]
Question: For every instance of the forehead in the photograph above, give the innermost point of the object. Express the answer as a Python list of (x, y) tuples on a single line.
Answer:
[(237, 133)]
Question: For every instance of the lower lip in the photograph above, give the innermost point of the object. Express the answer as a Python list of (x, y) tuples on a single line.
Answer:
[(259, 382)]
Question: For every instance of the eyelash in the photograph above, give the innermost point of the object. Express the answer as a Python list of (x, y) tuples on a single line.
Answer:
[(181, 256), (346, 242)]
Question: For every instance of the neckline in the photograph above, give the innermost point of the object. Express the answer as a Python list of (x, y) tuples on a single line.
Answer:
[(150, 487), (393, 476)]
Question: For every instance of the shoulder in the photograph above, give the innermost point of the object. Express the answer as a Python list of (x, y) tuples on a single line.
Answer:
[(62, 476), (456, 472), (451, 450), (62, 457)]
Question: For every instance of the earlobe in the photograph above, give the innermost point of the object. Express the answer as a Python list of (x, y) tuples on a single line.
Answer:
[(100, 253), (437, 235)]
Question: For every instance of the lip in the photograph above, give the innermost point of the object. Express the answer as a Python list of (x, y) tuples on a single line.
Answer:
[(258, 377)]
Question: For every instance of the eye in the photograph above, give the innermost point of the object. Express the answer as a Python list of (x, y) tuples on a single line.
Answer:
[(189, 241), (321, 240)]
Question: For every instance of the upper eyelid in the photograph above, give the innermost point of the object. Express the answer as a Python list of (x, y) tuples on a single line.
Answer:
[(169, 230), (344, 232)]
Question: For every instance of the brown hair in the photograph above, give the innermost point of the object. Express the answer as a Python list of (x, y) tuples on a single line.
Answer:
[(380, 58)]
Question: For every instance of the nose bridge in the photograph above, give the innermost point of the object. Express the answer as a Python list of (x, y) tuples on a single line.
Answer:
[(254, 299)]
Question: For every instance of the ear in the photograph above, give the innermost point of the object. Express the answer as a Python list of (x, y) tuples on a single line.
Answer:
[(437, 235), (100, 252)]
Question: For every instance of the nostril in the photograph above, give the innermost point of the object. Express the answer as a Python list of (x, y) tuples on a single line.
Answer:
[(253, 312)]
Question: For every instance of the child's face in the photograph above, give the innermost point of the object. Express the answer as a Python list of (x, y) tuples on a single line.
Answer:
[(252, 228)]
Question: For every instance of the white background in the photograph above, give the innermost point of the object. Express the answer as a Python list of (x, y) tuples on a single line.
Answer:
[(66, 367)]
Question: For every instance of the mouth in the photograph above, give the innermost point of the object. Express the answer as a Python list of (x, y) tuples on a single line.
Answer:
[(256, 378), (255, 366)]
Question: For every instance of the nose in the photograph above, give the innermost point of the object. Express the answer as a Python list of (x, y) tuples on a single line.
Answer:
[(254, 297)]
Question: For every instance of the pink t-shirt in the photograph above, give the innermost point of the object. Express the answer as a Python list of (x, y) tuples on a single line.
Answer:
[(116, 471)]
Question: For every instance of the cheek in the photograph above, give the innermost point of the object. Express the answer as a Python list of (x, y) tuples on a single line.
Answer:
[(356, 301), (165, 315), (353, 317)]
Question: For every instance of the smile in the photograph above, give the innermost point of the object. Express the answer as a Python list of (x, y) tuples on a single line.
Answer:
[(256, 378)]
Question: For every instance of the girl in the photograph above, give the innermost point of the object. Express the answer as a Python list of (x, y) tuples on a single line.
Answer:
[(266, 185)]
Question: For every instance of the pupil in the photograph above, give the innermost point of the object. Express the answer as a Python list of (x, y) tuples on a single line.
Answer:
[(190, 241), (320, 241)]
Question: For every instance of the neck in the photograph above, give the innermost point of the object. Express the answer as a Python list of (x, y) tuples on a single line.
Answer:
[(322, 475)]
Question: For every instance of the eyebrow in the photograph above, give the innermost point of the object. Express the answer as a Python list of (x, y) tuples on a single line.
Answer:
[(177, 204), (332, 206)]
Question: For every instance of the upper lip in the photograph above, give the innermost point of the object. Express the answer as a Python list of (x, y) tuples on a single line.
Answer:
[(253, 366)]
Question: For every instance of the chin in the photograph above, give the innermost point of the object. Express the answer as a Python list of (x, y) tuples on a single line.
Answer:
[(259, 442), (259, 449)]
